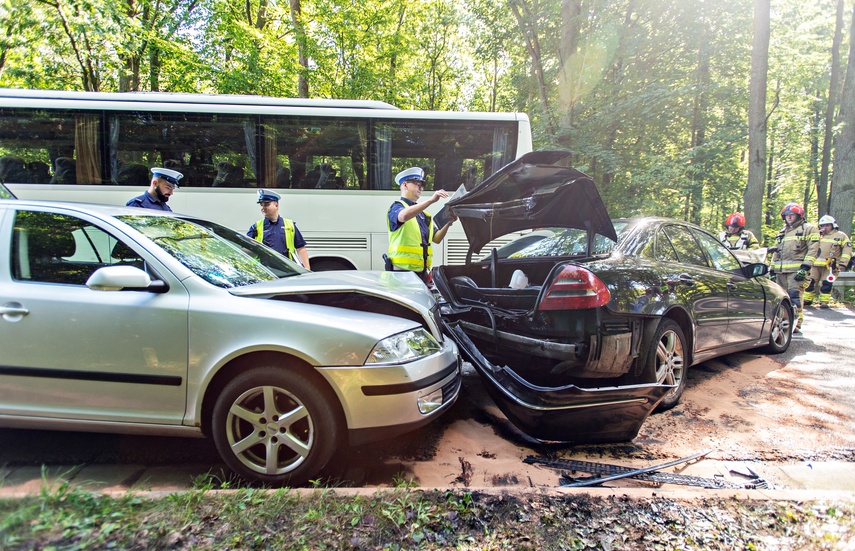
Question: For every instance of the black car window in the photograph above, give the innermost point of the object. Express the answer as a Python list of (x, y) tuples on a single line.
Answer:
[(660, 249), (687, 248), (56, 248), (719, 256)]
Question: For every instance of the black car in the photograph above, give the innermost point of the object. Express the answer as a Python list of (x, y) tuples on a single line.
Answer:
[(581, 334)]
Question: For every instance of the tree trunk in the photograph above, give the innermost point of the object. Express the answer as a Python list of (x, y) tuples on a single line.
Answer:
[(699, 130), (843, 178), (527, 23), (154, 69), (753, 197), (822, 186), (302, 49), (571, 14)]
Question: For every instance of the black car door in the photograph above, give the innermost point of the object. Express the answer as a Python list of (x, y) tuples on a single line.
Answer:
[(701, 289), (746, 300)]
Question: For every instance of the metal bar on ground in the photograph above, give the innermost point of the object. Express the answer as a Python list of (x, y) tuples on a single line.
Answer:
[(634, 472)]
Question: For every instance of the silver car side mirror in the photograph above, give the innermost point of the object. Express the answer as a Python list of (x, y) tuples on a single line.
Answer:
[(116, 278)]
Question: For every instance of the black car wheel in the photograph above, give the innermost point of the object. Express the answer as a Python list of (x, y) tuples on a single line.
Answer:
[(782, 330), (666, 361), (274, 426)]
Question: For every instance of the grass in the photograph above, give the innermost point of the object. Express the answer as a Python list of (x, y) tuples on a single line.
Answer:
[(65, 517)]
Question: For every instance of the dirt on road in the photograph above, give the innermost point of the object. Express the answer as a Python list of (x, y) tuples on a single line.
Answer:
[(747, 407)]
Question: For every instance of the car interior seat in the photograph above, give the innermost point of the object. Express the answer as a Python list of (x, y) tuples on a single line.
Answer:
[(124, 255), (46, 254)]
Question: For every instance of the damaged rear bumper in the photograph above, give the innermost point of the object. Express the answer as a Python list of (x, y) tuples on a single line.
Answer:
[(567, 413)]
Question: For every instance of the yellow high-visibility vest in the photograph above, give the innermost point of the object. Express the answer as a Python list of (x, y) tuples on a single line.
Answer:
[(405, 245), (288, 228)]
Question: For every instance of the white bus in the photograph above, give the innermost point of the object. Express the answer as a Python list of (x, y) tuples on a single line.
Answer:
[(332, 161)]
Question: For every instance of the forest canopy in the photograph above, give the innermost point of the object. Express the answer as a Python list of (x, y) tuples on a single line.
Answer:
[(651, 96)]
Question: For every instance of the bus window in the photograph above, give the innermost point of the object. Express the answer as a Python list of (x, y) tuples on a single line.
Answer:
[(211, 150), (451, 152), (50, 147), (318, 153)]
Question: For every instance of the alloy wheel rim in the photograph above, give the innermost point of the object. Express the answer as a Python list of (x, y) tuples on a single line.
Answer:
[(669, 360), (269, 430), (781, 328)]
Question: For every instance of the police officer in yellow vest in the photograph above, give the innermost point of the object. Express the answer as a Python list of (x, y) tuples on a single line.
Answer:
[(412, 231), (278, 233)]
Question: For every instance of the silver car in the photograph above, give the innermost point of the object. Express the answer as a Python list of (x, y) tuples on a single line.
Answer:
[(136, 321)]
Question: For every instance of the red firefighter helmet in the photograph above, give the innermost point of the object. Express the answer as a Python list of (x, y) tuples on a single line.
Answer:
[(735, 219), (793, 208)]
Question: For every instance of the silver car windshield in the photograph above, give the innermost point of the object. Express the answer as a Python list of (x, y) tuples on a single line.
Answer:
[(217, 254)]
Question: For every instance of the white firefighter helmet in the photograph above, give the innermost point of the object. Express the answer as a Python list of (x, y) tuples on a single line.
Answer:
[(828, 220)]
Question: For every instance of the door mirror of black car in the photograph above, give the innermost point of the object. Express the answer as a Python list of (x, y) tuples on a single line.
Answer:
[(756, 269)]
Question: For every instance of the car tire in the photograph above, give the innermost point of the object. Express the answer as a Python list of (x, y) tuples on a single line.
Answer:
[(274, 426), (666, 361), (782, 330)]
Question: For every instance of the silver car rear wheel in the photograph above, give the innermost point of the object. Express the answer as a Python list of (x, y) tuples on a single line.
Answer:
[(274, 426)]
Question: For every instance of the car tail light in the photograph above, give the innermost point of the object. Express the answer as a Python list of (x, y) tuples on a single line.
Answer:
[(575, 288)]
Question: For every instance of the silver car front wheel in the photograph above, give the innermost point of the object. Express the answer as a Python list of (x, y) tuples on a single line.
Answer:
[(274, 426)]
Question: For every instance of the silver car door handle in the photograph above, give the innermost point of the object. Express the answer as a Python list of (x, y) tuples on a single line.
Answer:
[(13, 310)]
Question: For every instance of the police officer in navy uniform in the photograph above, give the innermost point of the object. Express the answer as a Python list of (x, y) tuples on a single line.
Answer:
[(411, 230), (278, 233), (163, 184)]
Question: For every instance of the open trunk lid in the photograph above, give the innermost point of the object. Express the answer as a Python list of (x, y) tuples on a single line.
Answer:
[(537, 190)]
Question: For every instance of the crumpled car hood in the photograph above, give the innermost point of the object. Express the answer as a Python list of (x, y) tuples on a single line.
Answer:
[(402, 287), (531, 192)]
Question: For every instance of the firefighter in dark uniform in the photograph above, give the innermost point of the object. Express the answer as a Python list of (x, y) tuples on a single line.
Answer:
[(835, 251), (278, 233), (794, 255), (735, 236), (164, 182), (412, 231)]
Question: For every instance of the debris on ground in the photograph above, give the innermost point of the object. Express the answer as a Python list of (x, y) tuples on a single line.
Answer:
[(605, 472)]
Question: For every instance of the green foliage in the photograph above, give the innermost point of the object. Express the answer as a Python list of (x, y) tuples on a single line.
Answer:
[(65, 517), (651, 97)]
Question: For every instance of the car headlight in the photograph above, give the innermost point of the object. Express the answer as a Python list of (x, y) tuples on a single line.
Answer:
[(404, 347)]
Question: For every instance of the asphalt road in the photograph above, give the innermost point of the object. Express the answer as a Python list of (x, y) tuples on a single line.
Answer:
[(471, 432)]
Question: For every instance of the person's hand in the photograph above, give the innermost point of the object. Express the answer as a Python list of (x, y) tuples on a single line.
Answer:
[(832, 265), (438, 194), (800, 275), (772, 275)]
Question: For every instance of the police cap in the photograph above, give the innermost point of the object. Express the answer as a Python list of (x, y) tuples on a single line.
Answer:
[(171, 176), (414, 173), (265, 195)]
